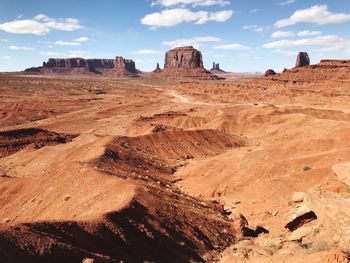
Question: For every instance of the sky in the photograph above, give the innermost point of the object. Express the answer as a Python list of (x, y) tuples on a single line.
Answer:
[(241, 35)]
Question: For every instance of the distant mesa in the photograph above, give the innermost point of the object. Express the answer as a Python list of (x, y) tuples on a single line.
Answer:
[(185, 62), (303, 60), (216, 69), (118, 67), (270, 72), (327, 69), (182, 62)]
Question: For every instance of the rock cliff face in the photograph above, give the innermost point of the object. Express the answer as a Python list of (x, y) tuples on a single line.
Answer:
[(183, 57), (184, 63), (128, 64), (302, 60), (119, 67)]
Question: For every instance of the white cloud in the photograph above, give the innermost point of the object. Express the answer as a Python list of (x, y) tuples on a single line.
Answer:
[(176, 16), (148, 52), (50, 53), (78, 54), (287, 2), (81, 39), (196, 41), (218, 56), (194, 3), (21, 48), (232, 47), (66, 43), (254, 28), (43, 18), (279, 33), (40, 25), (4, 40), (6, 57), (307, 33), (317, 14), (324, 43)]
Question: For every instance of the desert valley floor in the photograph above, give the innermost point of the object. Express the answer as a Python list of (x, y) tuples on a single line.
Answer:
[(142, 170)]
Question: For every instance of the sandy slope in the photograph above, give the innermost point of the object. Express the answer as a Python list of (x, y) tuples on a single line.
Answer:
[(152, 160)]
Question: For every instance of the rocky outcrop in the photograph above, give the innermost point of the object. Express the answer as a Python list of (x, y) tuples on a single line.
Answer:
[(128, 64), (327, 69), (216, 69), (183, 57), (302, 60), (269, 72), (119, 67), (157, 68), (123, 68), (335, 63), (184, 63)]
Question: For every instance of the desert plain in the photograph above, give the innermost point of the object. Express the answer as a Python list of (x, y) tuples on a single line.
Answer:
[(236, 169)]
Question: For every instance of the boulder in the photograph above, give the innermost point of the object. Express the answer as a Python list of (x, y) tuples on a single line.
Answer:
[(239, 222), (298, 197), (303, 216), (270, 72), (302, 60)]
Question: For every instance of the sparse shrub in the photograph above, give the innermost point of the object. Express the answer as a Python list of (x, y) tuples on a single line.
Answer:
[(317, 247), (306, 168)]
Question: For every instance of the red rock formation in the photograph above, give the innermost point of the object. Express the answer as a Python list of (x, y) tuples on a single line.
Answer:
[(183, 57), (216, 69), (118, 67), (157, 69), (270, 72), (184, 62), (123, 68), (302, 60), (326, 70)]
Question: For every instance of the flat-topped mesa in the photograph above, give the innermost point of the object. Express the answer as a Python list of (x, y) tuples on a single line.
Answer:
[(303, 60), (119, 67), (326, 70), (184, 63), (100, 63), (335, 62), (78, 63), (183, 57)]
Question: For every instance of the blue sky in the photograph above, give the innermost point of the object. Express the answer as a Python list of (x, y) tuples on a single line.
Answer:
[(241, 35)]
